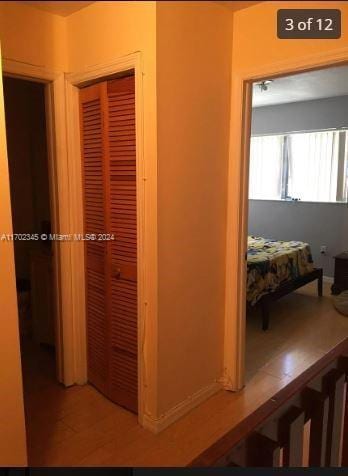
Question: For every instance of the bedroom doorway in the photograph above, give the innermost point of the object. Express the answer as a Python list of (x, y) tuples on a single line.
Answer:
[(297, 220)]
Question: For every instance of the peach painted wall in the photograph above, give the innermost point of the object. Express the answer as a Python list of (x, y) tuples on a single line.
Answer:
[(193, 97), (32, 36), (255, 35), (12, 427), (35, 37)]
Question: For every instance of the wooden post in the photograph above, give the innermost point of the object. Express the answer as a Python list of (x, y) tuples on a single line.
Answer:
[(317, 408), (290, 431), (335, 383)]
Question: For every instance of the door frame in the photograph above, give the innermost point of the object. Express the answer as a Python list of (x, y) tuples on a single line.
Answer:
[(146, 218), (57, 171), (238, 200)]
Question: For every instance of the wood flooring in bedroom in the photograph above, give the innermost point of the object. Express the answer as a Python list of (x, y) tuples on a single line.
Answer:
[(303, 327)]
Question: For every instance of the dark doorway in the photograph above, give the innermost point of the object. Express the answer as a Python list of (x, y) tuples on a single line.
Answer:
[(31, 217)]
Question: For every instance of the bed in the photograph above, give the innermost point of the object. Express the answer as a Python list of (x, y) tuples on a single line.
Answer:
[(277, 268)]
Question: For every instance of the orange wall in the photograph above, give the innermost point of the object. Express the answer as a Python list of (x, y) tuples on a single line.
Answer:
[(255, 35), (32, 36), (193, 95), (35, 37), (12, 429)]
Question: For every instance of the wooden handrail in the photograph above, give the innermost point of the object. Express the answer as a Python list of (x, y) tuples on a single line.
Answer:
[(294, 395)]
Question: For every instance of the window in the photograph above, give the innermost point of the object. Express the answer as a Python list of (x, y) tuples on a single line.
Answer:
[(311, 166), (266, 166)]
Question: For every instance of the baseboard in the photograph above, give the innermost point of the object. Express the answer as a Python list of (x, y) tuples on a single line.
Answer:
[(328, 279), (169, 417)]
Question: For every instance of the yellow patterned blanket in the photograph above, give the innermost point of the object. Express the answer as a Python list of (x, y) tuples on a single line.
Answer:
[(271, 263)]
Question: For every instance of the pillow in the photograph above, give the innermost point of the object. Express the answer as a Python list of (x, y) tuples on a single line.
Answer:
[(341, 303)]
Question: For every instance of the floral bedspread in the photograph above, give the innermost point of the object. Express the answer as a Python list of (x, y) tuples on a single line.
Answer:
[(271, 262)]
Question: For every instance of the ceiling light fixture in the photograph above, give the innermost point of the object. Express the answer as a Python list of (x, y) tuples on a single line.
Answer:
[(264, 84)]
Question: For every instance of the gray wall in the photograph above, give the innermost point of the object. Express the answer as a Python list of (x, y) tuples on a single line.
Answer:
[(315, 223), (301, 116)]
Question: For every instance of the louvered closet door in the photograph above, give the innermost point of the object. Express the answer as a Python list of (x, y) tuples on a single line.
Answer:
[(93, 155), (111, 267), (123, 223)]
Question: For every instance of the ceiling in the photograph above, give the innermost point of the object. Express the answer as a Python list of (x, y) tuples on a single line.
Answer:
[(237, 5), (62, 8), (318, 84), (66, 8)]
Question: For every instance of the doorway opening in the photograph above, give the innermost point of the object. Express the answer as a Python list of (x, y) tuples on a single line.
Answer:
[(297, 223), (30, 186)]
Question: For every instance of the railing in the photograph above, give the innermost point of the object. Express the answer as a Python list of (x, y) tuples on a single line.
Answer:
[(304, 424)]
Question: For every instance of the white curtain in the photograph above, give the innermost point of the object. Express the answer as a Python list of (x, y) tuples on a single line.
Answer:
[(313, 166), (265, 167)]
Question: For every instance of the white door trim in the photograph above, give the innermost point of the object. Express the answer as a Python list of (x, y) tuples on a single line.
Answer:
[(28, 71), (147, 229), (237, 206)]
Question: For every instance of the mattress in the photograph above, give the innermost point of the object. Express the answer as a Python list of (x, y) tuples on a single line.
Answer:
[(272, 263)]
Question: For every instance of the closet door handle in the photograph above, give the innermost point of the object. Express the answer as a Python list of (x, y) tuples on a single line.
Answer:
[(117, 273)]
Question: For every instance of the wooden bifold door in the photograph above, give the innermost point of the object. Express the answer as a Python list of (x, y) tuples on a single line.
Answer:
[(107, 112)]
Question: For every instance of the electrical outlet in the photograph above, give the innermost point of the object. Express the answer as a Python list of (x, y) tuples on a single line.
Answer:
[(323, 249)]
